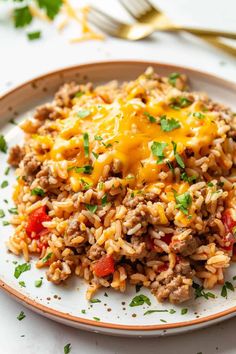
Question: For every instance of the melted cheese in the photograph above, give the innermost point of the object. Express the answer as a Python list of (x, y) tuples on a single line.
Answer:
[(127, 136)]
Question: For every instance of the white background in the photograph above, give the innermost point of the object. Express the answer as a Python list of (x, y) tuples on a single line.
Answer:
[(21, 60)]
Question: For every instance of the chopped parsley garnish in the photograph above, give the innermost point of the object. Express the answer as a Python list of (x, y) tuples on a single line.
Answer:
[(12, 121), (200, 292), (51, 7), (164, 321), (105, 294), (85, 184), (5, 223), (86, 144), (184, 311), (234, 278), (21, 268), (67, 348), (95, 155), (98, 137), (7, 170), (96, 318), (199, 115), (172, 311), (169, 164), (4, 184), (2, 214), (95, 301), (157, 149), (3, 144), (38, 283), (183, 201), (22, 284), (210, 184), (100, 186), (21, 316), (227, 286), (38, 191), (186, 178), (83, 114), (104, 200), (172, 78), (107, 145), (139, 300), (5, 201), (83, 311), (91, 208), (34, 35), (150, 117), (79, 94), (47, 257), (87, 169), (167, 125), (184, 102), (152, 311), (22, 16), (177, 156), (13, 211)]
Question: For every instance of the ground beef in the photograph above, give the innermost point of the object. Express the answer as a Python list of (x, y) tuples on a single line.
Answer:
[(134, 217), (95, 252), (185, 247), (46, 180), (16, 154), (31, 165), (183, 267), (47, 111), (174, 289), (66, 93)]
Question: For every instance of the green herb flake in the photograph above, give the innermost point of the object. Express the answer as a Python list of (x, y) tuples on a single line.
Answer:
[(4, 184), (172, 311), (150, 117), (91, 208), (38, 283), (22, 284), (164, 321), (200, 292), (234, 278), (98, 137), (95, 155), (184, 311), (13, 211), (157, 149), (224, 291), (95, 301), (79, 94), (172, 78), (87, 169), (47, 257), (34, 35), (85, 185), (2, 214), (100, 186), (5, 201), (186, 178), (96, 319), (83, 114), (183, 201), (38, 191), (86, 144), (184, 102), (3, 144), (177, 156), (83, 312), (169, 164), (7, 170), (67, 348), (5, 223), (52, 8), (12, 121), (21, 316), (105, 294), (104, 200), (152, 311), (229, 286), (210, 184), (167, 125), (21, 268), (22, 16), (198, 115), (139, 300)]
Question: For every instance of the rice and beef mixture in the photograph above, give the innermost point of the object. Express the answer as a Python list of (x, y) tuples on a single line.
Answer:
[(128, 183)]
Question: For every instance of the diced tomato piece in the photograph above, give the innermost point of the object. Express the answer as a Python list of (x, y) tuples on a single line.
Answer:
[(104, 266), (167, 238), (228, 220), (36, 218)]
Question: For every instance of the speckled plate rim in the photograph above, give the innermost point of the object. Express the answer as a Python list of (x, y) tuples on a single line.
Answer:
[(106, 327)]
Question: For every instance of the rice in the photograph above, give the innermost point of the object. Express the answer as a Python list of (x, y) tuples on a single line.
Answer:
[(128, 183)]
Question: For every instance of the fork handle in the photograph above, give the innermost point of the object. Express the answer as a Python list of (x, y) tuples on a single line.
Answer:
[(199, 31)]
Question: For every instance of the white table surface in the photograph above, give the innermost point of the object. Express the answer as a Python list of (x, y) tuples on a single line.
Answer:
[(21, 60)]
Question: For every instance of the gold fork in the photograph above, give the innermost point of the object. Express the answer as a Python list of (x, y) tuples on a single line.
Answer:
[(136, 31), (144, 12)]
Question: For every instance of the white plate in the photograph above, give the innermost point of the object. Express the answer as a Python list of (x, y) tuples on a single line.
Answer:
[(65, 303)]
